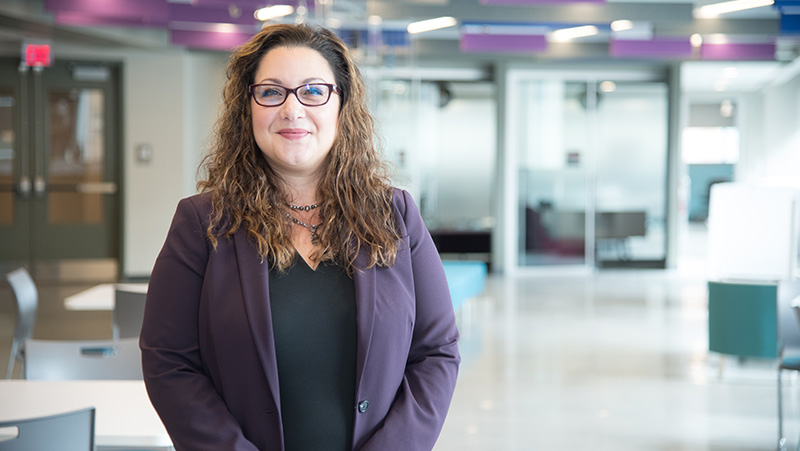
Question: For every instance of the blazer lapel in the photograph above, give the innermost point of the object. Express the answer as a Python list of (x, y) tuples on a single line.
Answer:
[(254, 280), (365, 284)]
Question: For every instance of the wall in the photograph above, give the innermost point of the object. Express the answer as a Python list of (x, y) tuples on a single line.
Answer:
[(781, 143), (170, 102)]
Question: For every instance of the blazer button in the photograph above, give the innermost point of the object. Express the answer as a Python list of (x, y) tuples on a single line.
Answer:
[(363, 406)]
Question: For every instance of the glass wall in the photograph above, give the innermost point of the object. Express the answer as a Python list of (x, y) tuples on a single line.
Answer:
[(441, 137), (591, 167)]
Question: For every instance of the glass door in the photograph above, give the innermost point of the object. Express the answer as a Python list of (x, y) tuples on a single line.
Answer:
[(590, 162), (631, 174), (58, 169), (441, 137), (554, 176)]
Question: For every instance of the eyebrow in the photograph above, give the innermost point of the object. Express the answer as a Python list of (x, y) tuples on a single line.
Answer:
[(306, 81)]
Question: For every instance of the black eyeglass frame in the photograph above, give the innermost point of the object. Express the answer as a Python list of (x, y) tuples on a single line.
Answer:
[(332, 88)]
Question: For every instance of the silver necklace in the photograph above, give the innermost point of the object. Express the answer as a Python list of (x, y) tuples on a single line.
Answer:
[(303, 207), (311, 228)]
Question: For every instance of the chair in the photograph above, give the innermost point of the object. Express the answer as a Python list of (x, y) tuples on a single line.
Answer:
[(791, 362), (80, 360), (128, 313), (743, 319), (70, 431), (27, 301)]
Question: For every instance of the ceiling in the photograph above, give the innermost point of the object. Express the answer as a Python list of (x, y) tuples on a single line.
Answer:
[(195, 24)]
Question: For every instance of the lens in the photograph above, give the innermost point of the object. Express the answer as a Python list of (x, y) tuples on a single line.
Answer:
[(313, 94), (269, 94)]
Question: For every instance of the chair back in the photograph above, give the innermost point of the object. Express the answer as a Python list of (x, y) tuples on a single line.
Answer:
[(70, 431), (27, 301), (128, 313), (83, 360), (743, 319)]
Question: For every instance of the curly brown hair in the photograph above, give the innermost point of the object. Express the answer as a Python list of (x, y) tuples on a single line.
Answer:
[(355, 192)]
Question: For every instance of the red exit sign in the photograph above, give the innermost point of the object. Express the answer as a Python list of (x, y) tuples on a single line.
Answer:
[(37, 55)]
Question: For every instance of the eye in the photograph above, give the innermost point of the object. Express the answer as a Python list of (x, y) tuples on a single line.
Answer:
[(314, 90), (269, 92)]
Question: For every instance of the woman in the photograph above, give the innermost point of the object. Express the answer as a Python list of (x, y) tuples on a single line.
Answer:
[(299, 302)]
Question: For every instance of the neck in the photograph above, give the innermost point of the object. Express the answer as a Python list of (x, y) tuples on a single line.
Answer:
[(301, 190)]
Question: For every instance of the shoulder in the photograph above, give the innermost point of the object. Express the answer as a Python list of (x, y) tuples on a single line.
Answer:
[(195, 209), (401, 200), (409, 218), (201, 203)]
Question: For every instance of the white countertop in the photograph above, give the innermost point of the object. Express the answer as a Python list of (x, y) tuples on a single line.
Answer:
[(100, 297)]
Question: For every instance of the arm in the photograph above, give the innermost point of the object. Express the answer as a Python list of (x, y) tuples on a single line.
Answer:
[(190, 407), (418, 413)]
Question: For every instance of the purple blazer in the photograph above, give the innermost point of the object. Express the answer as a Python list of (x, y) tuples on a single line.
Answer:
[(208, 353)]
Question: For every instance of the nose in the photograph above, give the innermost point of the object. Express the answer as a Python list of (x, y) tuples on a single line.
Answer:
[(292, 109)]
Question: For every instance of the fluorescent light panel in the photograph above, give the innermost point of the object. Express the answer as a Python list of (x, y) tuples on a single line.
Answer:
[(431, 24), (567, 34), (621, 25), (716, 9), (272, 12)]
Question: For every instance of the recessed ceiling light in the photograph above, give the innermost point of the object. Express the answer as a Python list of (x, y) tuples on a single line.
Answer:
[(621, 25), (568, 34), (431, 24), (272, 12), (608, 86), (716, 9)]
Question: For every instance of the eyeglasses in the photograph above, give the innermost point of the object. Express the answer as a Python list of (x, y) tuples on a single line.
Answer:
[(311, 94)]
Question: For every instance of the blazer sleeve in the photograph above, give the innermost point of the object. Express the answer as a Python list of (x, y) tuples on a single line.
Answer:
[(419, 410), (185, 398)]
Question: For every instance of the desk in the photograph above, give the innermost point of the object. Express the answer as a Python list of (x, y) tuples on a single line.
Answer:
[(124, 415), (100, 297)]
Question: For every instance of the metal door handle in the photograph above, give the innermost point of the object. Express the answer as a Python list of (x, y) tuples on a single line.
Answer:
[(39, 185), (24, 185)]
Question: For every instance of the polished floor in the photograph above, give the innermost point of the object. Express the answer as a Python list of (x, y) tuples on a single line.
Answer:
[(616, 361), (613, 361)]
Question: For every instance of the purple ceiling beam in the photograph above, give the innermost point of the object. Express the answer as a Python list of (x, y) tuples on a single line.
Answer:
[(502, 43), (538, 2), (150, 10), (738, 52), (87, 20), (249, 3), (653, 48), (209, 40), (212, 14)]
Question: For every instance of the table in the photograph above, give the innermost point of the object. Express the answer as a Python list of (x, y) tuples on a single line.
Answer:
[(124, 416), (100, 297)]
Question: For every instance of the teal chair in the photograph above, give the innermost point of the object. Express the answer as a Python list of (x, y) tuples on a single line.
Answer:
[(743, 321)]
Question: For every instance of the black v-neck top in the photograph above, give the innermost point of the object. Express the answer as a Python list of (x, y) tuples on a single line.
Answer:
[(314, 323)]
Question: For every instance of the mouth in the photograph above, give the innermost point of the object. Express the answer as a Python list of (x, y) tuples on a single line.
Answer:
[(293, 133)]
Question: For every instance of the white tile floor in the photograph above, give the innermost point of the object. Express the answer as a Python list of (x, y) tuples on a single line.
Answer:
[(615, 361)]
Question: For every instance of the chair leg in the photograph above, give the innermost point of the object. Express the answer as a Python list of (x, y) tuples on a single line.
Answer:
[(781, 439), (12, 359)]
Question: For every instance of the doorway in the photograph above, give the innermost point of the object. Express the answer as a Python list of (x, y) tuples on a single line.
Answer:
[(588, 160), (59, 141)]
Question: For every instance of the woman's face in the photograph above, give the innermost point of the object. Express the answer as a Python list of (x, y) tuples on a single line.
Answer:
[(295, 138)]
